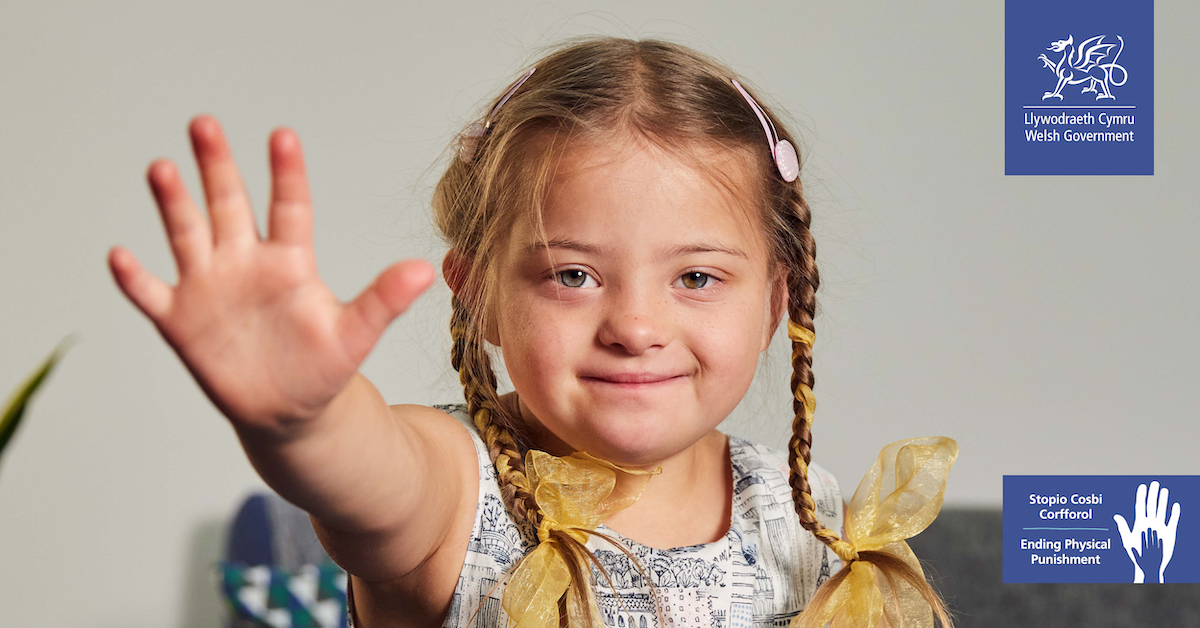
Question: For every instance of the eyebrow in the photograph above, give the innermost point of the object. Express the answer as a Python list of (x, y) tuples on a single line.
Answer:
[(683, 249)]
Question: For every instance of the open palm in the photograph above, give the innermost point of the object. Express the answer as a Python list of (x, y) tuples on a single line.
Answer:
[(265, 338)]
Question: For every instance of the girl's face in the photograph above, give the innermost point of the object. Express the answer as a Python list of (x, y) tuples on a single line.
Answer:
[(644, 330)]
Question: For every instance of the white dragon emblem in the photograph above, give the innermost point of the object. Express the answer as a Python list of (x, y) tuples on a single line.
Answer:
[(1083, 64)]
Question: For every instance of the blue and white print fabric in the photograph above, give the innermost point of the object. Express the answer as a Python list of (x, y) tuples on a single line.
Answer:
[(762, 573)]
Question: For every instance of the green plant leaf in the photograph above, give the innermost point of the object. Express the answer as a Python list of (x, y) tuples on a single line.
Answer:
[(14, 408)]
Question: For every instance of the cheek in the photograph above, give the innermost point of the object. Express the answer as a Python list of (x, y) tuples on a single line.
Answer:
[(536, 344), (735, 337)]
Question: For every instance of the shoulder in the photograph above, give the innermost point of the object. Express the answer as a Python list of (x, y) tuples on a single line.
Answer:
[(446, 425), (456, 410), (491, 514), (443, 412)]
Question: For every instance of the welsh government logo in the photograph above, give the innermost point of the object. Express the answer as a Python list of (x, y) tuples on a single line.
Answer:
[(1089, 63), (1151, 541)]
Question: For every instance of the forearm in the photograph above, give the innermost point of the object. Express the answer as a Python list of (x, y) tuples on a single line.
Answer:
[(344, 465)]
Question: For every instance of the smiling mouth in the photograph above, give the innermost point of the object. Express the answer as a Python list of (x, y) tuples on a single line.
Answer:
[(632, 385)]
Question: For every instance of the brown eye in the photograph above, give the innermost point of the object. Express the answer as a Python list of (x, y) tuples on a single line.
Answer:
[(574, 277), (696, 280)]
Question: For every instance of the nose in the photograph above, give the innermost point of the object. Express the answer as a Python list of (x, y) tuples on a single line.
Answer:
[(636, 320)]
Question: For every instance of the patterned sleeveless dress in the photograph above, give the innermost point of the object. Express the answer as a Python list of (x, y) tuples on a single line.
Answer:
[(762, 573)]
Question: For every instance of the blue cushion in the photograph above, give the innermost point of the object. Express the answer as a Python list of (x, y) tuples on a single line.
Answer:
[(276, 573), (250, 534)]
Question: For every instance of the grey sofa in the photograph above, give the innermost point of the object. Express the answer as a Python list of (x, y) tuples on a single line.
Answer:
[(961, 552)]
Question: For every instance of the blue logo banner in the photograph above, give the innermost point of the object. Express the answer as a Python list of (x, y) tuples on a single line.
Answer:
[(1101, 528), (1079, 87)]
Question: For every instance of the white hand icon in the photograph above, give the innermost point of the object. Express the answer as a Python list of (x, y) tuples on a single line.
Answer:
[(1150, 513)]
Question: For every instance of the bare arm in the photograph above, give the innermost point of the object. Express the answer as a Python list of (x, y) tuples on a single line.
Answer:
[(383, 484), (348, 466)]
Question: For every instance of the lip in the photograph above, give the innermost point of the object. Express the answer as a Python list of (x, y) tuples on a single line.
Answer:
[(632, 381)]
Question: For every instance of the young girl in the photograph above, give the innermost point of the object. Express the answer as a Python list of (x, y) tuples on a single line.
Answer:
[(626, 226)]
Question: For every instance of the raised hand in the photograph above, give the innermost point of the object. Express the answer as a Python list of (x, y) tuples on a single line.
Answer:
[(1150, 513), (1150, 554), (265, 338)]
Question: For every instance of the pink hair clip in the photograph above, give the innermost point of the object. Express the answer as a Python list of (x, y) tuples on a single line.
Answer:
[(782, 151), (468, 141)]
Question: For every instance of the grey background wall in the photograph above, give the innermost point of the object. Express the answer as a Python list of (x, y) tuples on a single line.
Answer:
[(1046, 323)]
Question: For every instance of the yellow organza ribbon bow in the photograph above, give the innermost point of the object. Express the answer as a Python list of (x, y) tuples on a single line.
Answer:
[(575, 494), (897, 499)]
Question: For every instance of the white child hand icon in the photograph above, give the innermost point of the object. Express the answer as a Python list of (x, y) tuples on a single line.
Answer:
[(1150, 513)]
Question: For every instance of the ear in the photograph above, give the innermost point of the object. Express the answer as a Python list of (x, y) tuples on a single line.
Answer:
[(778, 306), (455, 267)]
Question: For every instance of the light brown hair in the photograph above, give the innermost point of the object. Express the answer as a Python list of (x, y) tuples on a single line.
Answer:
[(682, 101)]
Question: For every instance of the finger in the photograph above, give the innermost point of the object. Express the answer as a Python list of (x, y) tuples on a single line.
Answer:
[(232, 217), (187, 230), (1139, 504), (290, 218), (364, 319), (1174, 517), (1161, 514), (1152, 500), (148, 293)]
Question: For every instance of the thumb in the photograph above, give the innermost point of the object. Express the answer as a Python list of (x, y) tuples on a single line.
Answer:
[(148, 293), (1123, 528), (363, 320)]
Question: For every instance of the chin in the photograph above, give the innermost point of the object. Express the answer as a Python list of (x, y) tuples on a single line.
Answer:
[(636, 442)]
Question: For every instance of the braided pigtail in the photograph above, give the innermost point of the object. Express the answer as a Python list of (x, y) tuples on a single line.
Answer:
[(803, 280), (802, 290), (496, 429)]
